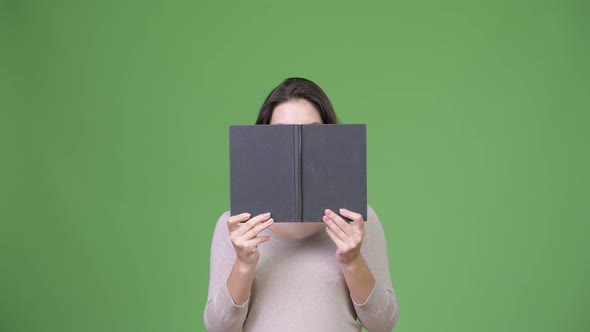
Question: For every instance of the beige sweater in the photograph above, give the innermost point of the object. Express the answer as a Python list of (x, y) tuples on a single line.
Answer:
[(298, 286)]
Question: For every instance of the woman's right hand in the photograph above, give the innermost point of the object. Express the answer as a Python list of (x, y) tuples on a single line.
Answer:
[(245, 237)]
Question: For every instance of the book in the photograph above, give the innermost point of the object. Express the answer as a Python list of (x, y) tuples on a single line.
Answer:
[(295, 172)]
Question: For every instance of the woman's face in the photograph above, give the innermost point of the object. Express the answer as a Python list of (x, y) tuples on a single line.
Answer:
[(299, 111)]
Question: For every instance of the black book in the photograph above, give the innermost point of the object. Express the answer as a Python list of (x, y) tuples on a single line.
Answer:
[(295, 172)]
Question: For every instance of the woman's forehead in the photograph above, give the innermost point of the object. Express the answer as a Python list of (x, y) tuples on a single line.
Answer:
[(299, 111)]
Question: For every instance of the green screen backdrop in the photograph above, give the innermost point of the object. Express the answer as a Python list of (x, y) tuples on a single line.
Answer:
[(114, 152)]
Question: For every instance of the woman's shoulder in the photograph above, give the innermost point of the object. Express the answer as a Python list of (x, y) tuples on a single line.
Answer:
[(371, 214), (221, 232), (373, 223), (225, 215), (223, 218)]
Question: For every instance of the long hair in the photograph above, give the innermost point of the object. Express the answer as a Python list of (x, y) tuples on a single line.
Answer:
[(297, 88)]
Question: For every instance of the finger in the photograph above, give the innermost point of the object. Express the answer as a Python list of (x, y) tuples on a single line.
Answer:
[(257, 240), (339, 243), (335, 228), (257, 229), (251, 223), (357, 218), (233, 221), (344, 226)]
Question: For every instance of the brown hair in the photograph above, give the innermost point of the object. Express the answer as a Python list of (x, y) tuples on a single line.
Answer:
[(297, 88)]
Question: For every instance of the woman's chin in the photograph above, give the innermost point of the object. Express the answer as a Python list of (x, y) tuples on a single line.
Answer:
[(296, 230)]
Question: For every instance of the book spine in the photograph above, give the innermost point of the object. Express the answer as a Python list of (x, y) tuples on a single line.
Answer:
[(297, 178)]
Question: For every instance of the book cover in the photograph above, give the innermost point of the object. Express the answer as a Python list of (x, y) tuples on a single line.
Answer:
[(297, 171)]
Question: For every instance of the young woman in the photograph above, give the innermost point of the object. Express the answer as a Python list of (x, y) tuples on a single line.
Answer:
[(329, 276)]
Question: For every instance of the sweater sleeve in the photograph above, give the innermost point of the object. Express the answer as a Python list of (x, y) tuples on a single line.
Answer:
[(380, 310), (221, 313)]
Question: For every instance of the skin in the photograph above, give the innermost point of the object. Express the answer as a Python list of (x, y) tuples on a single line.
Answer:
[(347, 237)]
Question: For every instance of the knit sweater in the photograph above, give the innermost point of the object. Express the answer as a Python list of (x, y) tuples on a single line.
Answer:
[(298, 285)]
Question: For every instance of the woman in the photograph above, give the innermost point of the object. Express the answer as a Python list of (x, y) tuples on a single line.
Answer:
[(330, 276)]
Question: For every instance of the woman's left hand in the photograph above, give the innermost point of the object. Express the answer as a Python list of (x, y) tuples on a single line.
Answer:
[(347, 237)]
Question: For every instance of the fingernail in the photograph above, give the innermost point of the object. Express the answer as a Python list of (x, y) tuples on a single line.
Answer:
[(270, 221), (247, 215), (267, 214), (342, 210), (327, 211)]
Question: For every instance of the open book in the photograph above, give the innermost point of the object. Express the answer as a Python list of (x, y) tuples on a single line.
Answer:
[(295, 172)]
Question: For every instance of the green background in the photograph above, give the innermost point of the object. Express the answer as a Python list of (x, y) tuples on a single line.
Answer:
[(114, 152)]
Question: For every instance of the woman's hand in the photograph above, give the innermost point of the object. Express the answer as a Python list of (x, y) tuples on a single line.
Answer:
[(245, 238), (347, 237)]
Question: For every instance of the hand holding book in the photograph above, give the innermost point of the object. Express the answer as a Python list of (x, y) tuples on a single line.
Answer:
[(347, 237), (245, 237), (245, 241)]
